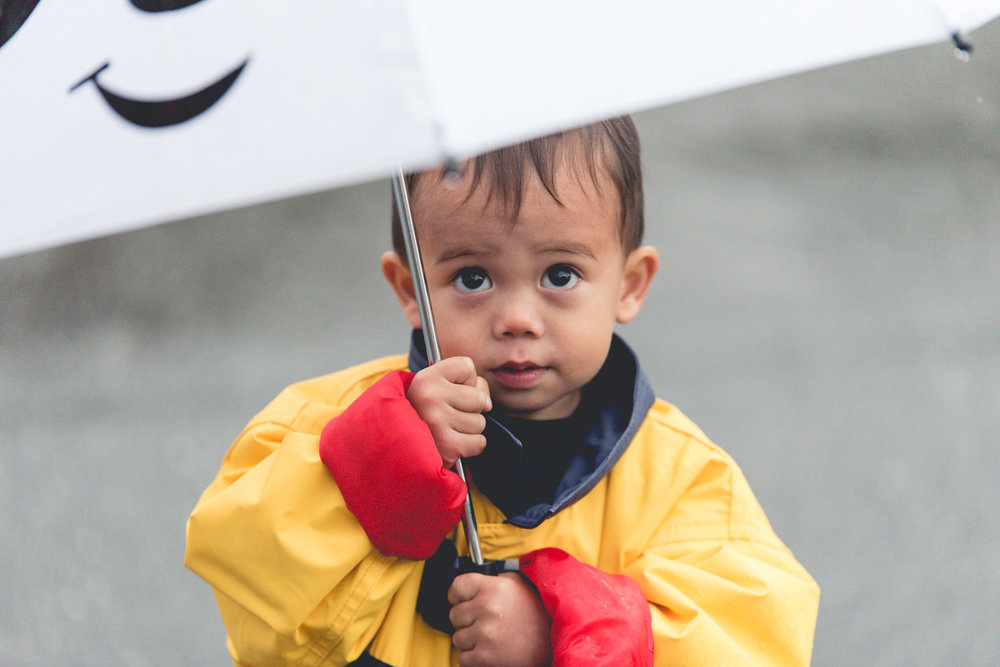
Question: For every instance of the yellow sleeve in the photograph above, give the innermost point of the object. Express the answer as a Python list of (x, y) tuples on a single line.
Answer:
[(735, 604), (723, 589), (296, 579)]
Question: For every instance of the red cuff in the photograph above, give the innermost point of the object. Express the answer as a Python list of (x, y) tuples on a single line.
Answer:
[(388, 469), (597, 618)]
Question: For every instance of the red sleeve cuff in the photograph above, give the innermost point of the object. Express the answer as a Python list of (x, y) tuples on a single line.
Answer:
[(388, 469), (597, 618)]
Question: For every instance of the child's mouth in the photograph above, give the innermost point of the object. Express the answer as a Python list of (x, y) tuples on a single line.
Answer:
[(519, 375)]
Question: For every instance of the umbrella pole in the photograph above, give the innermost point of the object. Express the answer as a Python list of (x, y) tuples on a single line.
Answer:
[(430, 335)]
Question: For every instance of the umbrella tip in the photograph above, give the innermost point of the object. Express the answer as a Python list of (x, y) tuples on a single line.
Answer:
[(963, 47), (451, 168)]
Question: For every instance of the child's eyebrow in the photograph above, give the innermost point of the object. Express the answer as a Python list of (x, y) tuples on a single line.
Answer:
[(450, 254), (571, 249)]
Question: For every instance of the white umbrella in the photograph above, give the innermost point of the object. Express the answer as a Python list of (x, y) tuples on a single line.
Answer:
[(118, 114)]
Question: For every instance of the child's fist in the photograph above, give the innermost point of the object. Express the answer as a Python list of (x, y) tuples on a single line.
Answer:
[(450, 398), (499, 621)]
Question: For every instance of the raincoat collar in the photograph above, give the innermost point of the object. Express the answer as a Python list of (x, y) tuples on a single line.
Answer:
[(626, 397)]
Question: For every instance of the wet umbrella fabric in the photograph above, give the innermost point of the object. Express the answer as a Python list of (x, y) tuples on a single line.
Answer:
[(122, 114)]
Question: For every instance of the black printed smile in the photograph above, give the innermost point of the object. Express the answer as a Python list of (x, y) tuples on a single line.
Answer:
[(162, 5), (14, 13), (163, 113)]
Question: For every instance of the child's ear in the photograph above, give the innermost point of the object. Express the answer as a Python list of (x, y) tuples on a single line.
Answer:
[(640, 267), (398, 276)]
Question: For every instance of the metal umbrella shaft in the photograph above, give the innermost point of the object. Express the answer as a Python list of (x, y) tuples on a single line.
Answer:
[(430, 335)]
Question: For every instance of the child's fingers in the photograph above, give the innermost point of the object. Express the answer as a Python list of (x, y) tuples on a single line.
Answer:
[(443, 418), (452, 381), (454, 446), (461, 616), (462, 371), (482, 385), (464, 640), (457, 370), (467, 423), (450, 398), (470, 399), (437, 401), (465, 587)]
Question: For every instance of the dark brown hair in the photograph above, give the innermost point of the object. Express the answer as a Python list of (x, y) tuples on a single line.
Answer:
[(610, 145)]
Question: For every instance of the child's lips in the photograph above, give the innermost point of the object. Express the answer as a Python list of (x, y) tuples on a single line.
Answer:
[(519, 375)]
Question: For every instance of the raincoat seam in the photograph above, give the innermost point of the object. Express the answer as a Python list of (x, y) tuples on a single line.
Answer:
[(322, 387), (287, 424), (269, 422), (693, 437), (732, 502), (736, 531), (354, 600), (362, 384)]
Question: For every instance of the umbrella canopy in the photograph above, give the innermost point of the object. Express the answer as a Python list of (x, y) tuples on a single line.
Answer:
[(118, 114)]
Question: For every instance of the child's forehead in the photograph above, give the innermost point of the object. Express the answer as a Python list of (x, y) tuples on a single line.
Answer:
[(457, 217), (505, 192)]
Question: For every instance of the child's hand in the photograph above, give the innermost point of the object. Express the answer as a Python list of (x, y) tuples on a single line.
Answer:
[(450, 398), (499, 621)]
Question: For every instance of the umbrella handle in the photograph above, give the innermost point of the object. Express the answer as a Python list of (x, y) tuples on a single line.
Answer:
[(430, 336)]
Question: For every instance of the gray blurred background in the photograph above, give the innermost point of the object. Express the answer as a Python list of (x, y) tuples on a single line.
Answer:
[(828, 311)]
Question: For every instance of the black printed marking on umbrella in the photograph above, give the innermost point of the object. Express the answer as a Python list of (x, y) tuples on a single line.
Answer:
[(961, 43), (163, 113), (13, 14), (162, 5)]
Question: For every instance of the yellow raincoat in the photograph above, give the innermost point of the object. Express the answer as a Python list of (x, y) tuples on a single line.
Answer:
[(298, 582)]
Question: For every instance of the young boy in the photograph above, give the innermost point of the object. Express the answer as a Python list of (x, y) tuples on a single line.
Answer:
[(331, 531)]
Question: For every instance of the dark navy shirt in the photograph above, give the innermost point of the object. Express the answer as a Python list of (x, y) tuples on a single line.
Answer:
[(521, 472)]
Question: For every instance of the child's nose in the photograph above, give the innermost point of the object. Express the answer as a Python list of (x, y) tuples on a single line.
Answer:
[(518, 317)]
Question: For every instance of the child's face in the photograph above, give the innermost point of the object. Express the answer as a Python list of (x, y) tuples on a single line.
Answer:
[(533, 304)]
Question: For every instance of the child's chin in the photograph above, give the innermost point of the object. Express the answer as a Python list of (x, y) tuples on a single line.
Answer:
[(524, 407)]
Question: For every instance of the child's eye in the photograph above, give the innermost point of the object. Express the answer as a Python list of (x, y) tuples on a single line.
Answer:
[(560, 276), (471, 279)]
